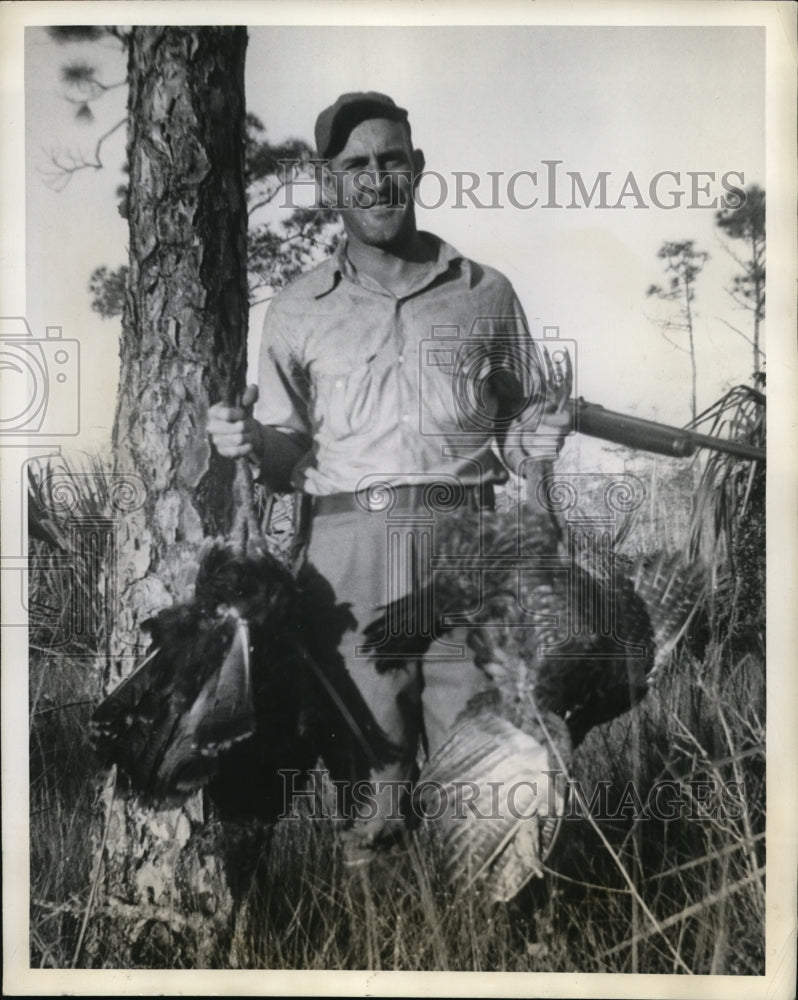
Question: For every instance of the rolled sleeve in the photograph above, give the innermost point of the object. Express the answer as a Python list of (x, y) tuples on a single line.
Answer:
[(283, 386)]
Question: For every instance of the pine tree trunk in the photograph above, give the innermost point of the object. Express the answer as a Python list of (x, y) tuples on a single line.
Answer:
[(163, 887)]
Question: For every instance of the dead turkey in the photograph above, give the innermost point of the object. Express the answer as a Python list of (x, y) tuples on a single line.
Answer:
[(570, 636), (194, 697), (241, 683)]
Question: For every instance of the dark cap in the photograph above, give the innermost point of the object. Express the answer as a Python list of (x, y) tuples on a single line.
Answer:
[(336, 122)]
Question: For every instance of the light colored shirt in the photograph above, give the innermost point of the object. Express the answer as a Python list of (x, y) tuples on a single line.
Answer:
[(390, 388)]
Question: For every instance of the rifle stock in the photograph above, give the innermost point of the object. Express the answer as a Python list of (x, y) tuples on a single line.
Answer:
[(647, 435)]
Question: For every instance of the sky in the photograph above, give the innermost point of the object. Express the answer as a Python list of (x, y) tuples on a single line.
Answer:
[(618, 100)]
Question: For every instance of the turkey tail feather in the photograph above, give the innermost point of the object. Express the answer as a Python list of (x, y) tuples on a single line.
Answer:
[(670, 587), (499, 837)]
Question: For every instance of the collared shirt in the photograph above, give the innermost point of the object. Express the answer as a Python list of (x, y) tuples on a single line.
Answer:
[(387, 388)]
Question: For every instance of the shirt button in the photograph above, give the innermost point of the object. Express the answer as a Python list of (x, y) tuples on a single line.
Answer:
[(405, 417), (401, 359)]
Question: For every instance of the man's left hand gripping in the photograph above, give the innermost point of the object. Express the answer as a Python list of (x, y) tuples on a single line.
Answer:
[(543, 440)]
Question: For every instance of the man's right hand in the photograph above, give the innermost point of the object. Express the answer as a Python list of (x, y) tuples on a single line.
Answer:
[(232, 429)]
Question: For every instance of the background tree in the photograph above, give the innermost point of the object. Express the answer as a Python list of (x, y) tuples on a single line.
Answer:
[(279, 247), (683, 265), (746, 224)]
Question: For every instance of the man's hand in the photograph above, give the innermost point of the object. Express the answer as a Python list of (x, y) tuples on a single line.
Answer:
[(233, 430), (540, 444), (550, 434)]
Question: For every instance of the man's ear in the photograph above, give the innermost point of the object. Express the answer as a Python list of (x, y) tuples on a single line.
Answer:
[(418, 162)]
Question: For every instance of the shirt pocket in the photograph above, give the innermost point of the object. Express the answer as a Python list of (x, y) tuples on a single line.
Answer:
[(346, 397)]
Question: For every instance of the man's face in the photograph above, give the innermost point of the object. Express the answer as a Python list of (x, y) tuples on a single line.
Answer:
[(371, 182)]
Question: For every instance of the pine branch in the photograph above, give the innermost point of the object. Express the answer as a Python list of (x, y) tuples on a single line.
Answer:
[(743, 335), (64, 171), (268, 199)]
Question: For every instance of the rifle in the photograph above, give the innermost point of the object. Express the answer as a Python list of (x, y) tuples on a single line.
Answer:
[(647, 435)]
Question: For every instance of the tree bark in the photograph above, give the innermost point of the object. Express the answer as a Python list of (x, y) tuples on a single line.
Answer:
[(757, 269), (184, 335), (689, 323)]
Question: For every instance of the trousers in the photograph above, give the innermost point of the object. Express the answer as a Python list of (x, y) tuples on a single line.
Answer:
[(368, 560)]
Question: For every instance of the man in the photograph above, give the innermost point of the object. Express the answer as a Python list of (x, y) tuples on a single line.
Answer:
[(395, 367)]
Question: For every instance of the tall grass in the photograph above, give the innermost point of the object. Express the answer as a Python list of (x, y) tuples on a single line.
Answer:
[(630, 892), (65, 682)]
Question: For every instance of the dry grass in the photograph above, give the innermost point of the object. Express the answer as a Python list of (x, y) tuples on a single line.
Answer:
[(627, 893)]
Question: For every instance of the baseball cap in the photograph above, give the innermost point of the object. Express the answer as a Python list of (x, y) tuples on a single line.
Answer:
[(336, 122)]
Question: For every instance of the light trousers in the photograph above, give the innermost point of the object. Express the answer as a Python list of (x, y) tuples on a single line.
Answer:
[(369, 560)]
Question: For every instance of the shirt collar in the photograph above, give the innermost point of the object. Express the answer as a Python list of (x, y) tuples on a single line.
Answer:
[(339, 266)]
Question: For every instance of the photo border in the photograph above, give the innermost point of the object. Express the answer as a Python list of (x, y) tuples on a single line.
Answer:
[(779, 20)]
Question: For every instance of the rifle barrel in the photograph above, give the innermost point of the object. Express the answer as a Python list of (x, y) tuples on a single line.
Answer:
[(739, 448), (647, 435)]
